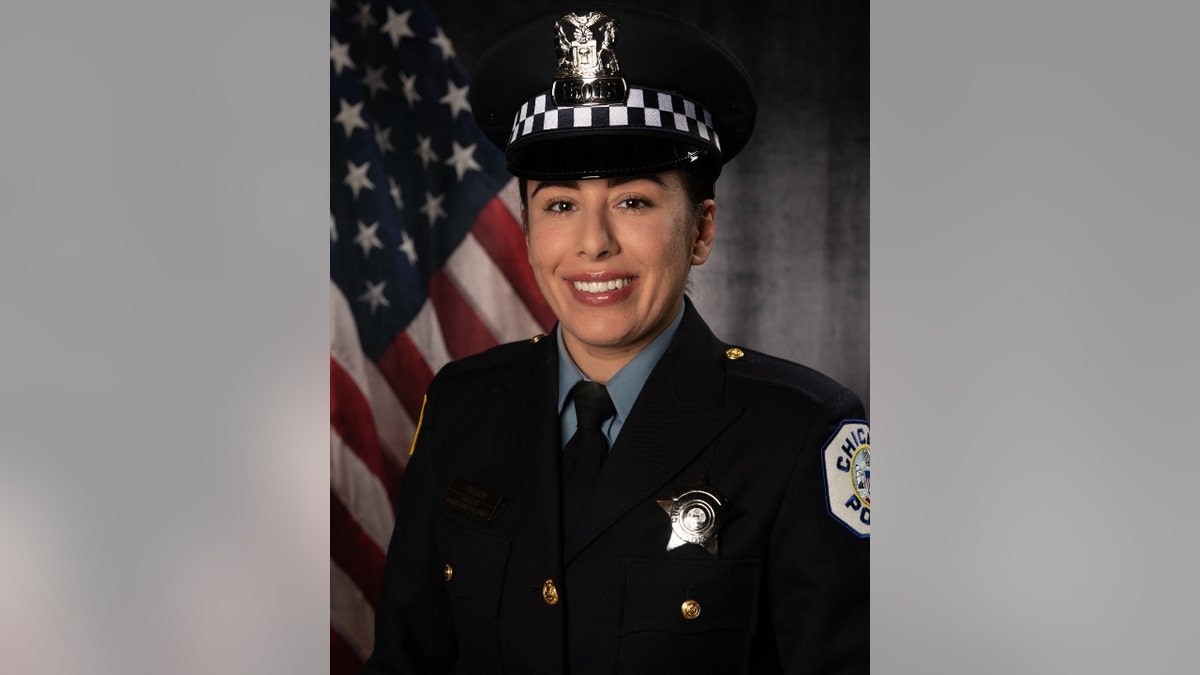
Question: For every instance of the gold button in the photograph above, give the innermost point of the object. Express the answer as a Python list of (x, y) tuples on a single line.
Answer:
[(690, 609), (733, 353), (448, 572), (549, 593), (536, 338)]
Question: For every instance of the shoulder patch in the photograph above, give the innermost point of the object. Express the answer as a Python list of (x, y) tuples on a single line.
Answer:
[(847, 459)]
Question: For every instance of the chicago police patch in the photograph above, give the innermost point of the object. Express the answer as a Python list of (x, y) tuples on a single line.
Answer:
[(847, 457)]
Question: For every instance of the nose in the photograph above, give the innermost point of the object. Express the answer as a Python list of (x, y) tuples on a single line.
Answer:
[(596, 237)]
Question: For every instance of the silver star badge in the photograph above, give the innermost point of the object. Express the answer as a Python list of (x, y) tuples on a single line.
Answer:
[(695, 518)]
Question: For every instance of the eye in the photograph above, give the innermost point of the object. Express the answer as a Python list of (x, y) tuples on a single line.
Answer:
[(633, 203), (559, 206)]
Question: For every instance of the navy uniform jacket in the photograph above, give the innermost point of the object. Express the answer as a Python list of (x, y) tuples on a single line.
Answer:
[(788, 591)]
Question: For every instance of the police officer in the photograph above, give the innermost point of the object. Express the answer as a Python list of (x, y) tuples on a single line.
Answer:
[(628, 494)]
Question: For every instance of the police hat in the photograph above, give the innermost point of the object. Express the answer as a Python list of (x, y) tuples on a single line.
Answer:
[(604, 91)]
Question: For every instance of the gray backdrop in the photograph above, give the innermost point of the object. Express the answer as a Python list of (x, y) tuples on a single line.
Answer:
[(790, 271)]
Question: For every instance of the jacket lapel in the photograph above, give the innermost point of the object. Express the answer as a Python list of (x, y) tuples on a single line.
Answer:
[(678, 413), (530, 429)]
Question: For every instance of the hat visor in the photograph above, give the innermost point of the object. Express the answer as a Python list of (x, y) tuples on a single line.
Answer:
[(607, 156)]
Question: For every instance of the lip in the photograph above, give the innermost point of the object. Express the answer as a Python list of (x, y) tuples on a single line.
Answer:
[(604, 298)]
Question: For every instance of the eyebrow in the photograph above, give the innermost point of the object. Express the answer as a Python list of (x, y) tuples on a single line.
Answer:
[(612, 182)]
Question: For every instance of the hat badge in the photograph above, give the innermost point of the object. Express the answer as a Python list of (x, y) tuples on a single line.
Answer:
[(587, 72)]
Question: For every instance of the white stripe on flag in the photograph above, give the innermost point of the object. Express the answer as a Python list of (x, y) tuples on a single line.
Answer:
[(349, 612), (392, 424), (510, 196), (426, 334), (490, 294), (361, 491)]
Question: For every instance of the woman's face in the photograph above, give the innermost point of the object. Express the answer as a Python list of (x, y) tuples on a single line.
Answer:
[(612, 257)]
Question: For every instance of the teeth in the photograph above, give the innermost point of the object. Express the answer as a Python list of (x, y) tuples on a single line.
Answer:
[(601, 286)]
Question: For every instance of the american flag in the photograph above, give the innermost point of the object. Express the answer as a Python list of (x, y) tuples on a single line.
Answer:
[(427, 264)]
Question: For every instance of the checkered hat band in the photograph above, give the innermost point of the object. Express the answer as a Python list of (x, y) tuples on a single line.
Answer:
[(643, 108)]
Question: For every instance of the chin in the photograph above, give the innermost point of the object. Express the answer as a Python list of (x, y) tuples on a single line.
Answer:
[(597, 338)]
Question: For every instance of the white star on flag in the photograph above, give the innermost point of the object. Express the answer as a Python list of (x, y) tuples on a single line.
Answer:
[(443, 43), (463, 159), (397, 27), (410, 89), (407, 247), (394, 191), (340, 55), (367, 238), (383, 137), (433, 207), (356, 177), (363, 18), (373, 80), (425, 150), (350, 117), (374, 296), (456, 98)]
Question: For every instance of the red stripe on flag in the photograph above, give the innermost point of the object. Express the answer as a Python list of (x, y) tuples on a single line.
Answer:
[(355, 552), (350, 415), (342, 659), (464, 332), (504, 240), (406, 371)]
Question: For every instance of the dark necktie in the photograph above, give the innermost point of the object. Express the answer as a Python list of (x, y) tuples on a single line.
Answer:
[(584, 454)]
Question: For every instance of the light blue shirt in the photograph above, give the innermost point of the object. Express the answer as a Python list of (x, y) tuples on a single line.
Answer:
[(623, 388)]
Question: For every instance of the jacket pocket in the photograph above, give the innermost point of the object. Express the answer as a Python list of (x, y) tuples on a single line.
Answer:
[(693, 616), (474, 565)]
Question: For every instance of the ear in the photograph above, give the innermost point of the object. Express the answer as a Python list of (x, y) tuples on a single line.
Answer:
[(706, 232)]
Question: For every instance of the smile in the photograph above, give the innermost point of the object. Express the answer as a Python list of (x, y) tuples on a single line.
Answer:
[(601, 286)]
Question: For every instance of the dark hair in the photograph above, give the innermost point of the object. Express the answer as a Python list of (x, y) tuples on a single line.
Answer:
[(697, 188)]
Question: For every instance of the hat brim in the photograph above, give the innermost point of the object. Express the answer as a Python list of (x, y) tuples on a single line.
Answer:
[(608, 155)]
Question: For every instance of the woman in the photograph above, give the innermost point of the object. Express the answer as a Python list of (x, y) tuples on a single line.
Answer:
[(628, 494)]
